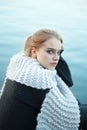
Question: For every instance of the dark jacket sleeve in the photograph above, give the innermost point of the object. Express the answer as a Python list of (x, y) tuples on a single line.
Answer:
[(19, 106), (64, 72), (83, 111)]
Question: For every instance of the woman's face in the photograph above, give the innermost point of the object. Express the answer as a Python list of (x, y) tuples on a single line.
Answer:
[(49, 53)]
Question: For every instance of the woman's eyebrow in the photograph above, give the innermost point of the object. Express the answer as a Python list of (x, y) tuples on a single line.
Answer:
[(53, 49)]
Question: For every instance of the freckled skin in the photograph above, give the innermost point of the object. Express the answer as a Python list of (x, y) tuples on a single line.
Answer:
[(48, 54)]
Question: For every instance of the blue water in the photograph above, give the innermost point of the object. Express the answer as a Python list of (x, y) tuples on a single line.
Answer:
[(20, 18)]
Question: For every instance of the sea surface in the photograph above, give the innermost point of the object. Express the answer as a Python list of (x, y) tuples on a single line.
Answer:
[(20, 18)]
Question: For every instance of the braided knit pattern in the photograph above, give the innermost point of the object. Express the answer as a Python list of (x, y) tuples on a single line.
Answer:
[(28, 71), (60, 109)]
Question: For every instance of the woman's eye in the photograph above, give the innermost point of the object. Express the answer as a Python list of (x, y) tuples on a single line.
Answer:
[(54, 52), (50, 51), (59, 52)]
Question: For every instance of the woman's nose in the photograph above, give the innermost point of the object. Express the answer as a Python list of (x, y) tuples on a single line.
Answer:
[(56, 57)]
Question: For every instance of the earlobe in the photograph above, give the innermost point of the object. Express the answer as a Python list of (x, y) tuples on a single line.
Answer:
[(33, 52)]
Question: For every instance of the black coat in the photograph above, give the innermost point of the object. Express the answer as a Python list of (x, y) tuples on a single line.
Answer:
[(19, 106)]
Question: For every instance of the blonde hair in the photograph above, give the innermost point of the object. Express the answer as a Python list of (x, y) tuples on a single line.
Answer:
[(38, 38)]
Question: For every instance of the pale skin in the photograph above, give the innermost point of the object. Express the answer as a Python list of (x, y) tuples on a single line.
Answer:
[(48, 54)]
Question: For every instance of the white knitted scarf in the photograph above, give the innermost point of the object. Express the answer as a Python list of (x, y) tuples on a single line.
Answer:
[(60, 109)]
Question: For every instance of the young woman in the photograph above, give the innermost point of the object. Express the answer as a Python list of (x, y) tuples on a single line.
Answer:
[(33, 95)]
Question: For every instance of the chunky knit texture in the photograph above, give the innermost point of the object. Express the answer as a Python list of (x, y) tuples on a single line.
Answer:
[(60, 109)]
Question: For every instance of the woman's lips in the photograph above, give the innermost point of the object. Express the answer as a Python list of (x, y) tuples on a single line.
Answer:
[(54, 64)]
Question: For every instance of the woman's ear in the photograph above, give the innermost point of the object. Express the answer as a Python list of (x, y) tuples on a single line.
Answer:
[(33, 52)]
